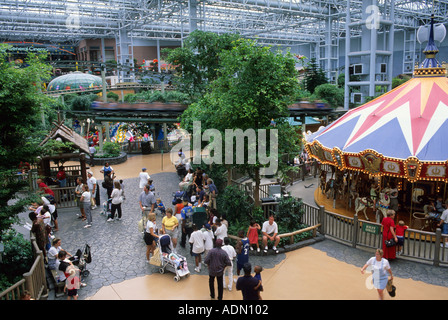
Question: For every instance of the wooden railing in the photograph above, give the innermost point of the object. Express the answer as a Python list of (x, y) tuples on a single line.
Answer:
[(34, 281), (289, 235)]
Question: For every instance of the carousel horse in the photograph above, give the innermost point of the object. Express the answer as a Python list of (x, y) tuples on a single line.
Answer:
[(322, 180), (362, 203)]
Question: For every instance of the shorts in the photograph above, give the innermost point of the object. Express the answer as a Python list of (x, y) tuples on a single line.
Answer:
[(173, 233), (400, 240), (196, 254), (149, 239), (72, 292), (55, 214), (240, 264), (445, 228)]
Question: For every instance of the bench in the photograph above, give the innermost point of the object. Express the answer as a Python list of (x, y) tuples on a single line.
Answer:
[(58, 285)]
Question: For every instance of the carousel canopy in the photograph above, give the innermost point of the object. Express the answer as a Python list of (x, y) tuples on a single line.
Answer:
[(403, 132)]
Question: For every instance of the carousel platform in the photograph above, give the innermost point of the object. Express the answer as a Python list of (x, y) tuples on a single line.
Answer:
[(343, 207)]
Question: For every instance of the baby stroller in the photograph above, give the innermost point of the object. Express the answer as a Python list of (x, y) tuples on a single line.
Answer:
[(80, 259), (107, 208), (171, 261), (179, 196)]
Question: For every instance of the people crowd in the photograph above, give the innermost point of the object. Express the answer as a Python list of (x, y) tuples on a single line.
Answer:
[(209, 242)]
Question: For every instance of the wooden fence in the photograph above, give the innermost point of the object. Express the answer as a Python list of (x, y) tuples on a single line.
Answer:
[(418, 245), (34, 281)]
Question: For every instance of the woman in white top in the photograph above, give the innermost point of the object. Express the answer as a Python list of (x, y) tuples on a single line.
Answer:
[(188, 179), (86, 205), (380, 267), (151, 235), (117, 199)]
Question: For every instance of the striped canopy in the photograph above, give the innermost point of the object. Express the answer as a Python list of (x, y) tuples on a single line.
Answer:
[(409, 121)]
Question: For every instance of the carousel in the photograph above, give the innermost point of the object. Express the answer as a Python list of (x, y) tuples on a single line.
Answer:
[(392, 152)]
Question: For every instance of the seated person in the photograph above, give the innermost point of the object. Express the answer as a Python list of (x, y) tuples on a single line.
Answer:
[(270, 233), (433, 213)]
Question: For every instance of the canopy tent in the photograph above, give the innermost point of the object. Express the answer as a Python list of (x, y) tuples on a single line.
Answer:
[(401, 133)]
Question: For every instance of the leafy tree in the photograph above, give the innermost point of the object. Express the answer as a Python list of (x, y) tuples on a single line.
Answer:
[(198, 60), (23, 105), (254, 85), (314, 76)]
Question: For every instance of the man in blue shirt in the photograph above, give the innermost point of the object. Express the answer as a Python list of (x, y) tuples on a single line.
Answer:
[(187, 222)]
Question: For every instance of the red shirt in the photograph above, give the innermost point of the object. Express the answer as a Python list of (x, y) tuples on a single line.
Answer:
[(46, 189), (60, 175), (399, 230)]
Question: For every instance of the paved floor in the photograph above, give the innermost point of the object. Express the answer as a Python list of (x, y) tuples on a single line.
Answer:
[(325, 270)]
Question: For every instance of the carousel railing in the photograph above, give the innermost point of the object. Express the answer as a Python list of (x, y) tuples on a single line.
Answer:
[(418, 245)]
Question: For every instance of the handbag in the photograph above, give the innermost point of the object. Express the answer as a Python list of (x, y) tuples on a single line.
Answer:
[(391, 289), (390, 243), (155, 259)]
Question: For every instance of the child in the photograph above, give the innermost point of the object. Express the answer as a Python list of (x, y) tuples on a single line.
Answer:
[(160, 206), (399, 230), (257, 276), (229, 269), (252, 234), (197, 240), (122, 189)]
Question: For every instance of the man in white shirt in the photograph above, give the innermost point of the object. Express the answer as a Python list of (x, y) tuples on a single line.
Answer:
[(270, 232), (93, 188), (197, 241), (229, 269), (144, 177), (221, 230)]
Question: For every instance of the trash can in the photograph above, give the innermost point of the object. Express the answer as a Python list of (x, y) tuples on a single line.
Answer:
[(146, 147), (199, 216)]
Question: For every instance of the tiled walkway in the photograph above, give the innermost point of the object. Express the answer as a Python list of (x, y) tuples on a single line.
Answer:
[(119, 270)]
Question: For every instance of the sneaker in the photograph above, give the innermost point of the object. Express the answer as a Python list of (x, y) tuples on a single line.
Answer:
[(258, 249), (251, 249), (265, 250), (94, 207), (110, 219), (87, 226), (275, 249)]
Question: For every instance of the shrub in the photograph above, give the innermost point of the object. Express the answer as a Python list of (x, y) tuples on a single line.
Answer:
[(330, 93), (17, 258), (113, 96), (110, 150)]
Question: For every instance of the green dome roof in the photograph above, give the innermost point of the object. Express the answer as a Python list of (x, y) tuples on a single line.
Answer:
[(74, 80)]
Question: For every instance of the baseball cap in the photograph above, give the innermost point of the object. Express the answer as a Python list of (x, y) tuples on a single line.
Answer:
[(218, 242)]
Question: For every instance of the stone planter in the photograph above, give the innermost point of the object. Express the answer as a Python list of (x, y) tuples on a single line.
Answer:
[(114, 160)]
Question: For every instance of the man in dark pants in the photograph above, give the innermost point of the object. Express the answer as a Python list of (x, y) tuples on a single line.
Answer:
[(187, 222), (217, 260)]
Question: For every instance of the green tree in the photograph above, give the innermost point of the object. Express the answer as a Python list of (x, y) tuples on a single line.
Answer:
[(198, 60), (254, 85), (314, 76), (23, 105)]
